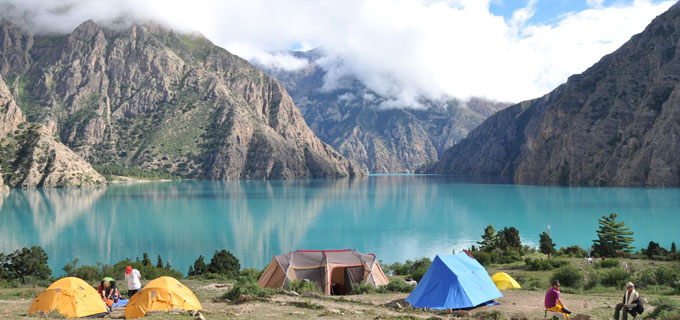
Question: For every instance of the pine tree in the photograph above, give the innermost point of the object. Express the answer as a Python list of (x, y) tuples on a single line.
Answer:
[(613, 237), (159, 263), (191, 271), (199, 266), (489, 239), (145, 259), (167, 265), (546, 244), (673, 247)]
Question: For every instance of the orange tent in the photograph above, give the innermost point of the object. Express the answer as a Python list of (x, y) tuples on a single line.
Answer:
[(71, 297), (161, 294)]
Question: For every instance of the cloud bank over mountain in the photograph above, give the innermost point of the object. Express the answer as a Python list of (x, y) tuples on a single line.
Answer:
[(402, 50)]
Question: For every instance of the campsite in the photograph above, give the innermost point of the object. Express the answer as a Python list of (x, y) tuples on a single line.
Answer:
[(454, 272)]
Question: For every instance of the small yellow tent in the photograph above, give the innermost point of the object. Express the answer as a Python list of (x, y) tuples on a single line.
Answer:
[(504, 281), (162, 294), (71, 297)]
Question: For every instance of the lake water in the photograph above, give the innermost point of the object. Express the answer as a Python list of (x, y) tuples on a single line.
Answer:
[(395, 217)]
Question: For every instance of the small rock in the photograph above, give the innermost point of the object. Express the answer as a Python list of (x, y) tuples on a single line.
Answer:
[(193, 313), (245, 297), (297, 313), (311, 295), (200, 316), (334, 311), (448, 310), (398, 306), (293, 293)]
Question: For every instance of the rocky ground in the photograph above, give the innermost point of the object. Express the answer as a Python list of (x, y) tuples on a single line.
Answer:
[(516, 304)]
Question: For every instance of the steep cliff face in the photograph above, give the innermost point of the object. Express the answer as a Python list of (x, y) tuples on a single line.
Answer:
[(31, 157), (147, 97), (395, 140), (617, 124)]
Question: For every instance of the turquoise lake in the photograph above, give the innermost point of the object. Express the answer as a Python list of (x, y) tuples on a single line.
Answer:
[(396, 217)]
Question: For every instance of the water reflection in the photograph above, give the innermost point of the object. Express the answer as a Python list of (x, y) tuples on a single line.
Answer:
[(396, 217)]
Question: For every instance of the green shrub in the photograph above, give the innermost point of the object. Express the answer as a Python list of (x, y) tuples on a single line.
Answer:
[(302, 287), (363, 288), (484, 258), (247, 287), (408, 267), (398, 285), (568, 275), (666, 276), (543, 265), (609, 263), (572, 251), (418, 274), (665, 308), (614, 278), (644, 279), (25, 263)]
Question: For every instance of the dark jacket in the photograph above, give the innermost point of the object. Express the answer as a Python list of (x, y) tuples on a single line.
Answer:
[(639, 308)]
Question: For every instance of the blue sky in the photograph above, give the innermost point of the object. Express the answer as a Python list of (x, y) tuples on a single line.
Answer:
[(549, 11)]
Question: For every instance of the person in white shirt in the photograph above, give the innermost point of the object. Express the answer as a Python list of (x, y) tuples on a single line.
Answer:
[(132, 276)]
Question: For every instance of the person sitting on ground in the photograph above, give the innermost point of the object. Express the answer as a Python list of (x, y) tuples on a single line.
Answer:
[(553, 302), (631, 303), (133, 277)]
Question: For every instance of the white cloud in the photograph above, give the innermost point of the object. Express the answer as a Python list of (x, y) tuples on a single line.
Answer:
[(401, 49)]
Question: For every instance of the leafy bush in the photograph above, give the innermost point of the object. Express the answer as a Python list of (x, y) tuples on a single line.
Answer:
[(25, 263), (644, 279), (418, 273), (614, 278), (247, 287), (568, 275), (666, 276), (542, 265), (609, 263), (363, 288), (409, 266), (573, 251), (302, 287), (398, 285), (484, 258), (666, 308)]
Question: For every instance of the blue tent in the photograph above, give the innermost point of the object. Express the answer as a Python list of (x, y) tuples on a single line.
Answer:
[(456, 282)]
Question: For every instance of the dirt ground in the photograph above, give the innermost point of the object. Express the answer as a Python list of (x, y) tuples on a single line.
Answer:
[(515, 304)]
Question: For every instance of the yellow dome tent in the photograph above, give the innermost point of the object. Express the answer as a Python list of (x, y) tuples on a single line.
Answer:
[(71, 297), (161, 294), (504, 281)]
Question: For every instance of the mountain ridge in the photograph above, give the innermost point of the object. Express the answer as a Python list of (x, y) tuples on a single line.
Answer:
[(615, 124), (381, 140), (148, 97)]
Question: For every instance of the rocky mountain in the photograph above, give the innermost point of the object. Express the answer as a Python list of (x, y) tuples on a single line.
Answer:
[(31, 157), (616, 124), (150, 98), (394, 140)]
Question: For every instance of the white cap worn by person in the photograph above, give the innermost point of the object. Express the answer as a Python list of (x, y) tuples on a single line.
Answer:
[(630, 284)]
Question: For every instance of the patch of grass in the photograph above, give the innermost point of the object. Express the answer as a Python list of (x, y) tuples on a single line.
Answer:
[(302, 287), (307, 304), (665, 309), (247, 288)]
